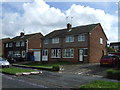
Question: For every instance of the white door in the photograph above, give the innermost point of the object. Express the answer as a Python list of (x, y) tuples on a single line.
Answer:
[(45, 55), (23, 54), (80, 55), (37, 55)]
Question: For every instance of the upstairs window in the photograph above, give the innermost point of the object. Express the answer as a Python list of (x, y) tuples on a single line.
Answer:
[(55, 40), (6, 45), (46, 41), (69, 39), (22, 43), (81, 37), (17, 44), (10, 44), (101, 41)]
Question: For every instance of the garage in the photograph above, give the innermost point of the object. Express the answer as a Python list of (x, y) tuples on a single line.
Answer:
[(37, 55)]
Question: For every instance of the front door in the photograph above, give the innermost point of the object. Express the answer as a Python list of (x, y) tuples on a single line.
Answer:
[(45, 55), (80, 54)]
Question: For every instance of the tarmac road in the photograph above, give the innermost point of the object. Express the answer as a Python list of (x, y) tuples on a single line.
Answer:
[(48, 79)]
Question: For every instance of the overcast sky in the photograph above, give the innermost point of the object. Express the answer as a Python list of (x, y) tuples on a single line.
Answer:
[(44, 17)]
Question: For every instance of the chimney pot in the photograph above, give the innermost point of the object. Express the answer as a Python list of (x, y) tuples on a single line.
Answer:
[(69, 26), (22, 34)]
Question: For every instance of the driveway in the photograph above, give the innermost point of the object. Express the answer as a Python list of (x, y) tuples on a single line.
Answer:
[(92, 69)]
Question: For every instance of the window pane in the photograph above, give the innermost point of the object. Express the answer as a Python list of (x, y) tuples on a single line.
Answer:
[(81, 37)]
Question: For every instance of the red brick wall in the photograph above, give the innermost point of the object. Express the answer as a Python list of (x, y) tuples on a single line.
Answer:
[(35, 42), (96, 49)]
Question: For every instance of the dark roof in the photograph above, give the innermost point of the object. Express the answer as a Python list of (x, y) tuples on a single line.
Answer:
[(74, 31), (115, 43), (5, 40), (22, 38)]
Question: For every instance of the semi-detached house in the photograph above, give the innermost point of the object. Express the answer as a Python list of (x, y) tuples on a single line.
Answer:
[(24, 45), (87, 43)]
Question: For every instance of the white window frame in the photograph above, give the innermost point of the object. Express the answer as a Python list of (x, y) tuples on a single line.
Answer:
[(55, 40), (69, 39), (22, 43), (55, 53), (101, 40), (6, 45), (18, 44), (45, 41), (68, 53), (10, 44), (81, 37)]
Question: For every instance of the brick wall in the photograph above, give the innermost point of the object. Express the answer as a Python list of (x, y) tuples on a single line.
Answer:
[(35, 42), (95, 48)]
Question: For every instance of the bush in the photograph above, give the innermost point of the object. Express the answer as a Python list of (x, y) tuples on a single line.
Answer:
[(56, 67), (113, 74)]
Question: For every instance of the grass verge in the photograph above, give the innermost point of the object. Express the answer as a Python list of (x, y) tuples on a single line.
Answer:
[(101, 84), (113, 74), (47, 65), (13, 70)]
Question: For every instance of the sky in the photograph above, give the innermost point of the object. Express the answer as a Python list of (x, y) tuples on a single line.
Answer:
[(44, 17)]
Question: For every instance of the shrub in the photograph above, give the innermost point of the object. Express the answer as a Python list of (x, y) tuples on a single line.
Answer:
[(113, 74), (56, 67)]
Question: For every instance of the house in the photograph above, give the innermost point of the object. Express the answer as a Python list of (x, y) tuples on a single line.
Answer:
[(116, 46), (2, 41), (87, 43), (24, 45)]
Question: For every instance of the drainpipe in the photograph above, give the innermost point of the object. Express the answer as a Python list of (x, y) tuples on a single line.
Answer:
[(26, 48)]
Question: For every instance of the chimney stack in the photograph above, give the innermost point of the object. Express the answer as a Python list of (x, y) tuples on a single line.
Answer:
[(22, 34), (69, 26)]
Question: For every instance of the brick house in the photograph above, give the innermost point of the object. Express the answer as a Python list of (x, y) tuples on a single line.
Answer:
[(24, 45), (2, 41), (85, 43)]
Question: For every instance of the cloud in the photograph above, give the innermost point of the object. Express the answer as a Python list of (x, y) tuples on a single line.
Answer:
[(40, 17)]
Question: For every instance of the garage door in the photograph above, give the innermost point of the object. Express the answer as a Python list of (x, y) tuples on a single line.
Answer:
[(37, 55)]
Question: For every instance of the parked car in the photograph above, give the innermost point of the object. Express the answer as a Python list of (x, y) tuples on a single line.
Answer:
[(15, 58), (4, 63), (111, 60)]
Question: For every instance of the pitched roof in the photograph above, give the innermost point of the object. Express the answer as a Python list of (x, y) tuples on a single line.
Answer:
[(22, 38), (74, 31)]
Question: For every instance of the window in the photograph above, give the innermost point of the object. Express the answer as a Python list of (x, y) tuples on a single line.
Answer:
[(22, 43), (6, 45), (46, 41), (10, 53), (56, 53), (81, 37), (69, 39), (17, 44), (68, 53), (55, 40), (85, 51), (10, 44), (101, 41)]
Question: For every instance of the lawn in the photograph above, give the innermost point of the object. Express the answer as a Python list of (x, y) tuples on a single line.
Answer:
[(101, 84), (47, 65), (13, 70)]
